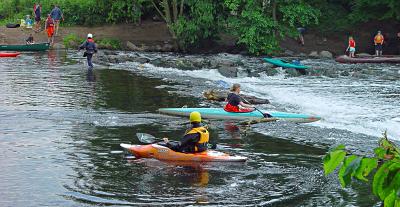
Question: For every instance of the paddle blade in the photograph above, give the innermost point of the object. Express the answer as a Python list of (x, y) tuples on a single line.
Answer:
[(146, 138)]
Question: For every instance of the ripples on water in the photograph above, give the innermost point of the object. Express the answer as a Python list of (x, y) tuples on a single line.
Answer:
[(61, 126)]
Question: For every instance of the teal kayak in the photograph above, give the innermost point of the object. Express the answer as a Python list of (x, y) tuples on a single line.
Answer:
[(284, 64), (221, 114)]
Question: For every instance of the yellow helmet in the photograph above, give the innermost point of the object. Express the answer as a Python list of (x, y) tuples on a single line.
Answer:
[(195, 117)]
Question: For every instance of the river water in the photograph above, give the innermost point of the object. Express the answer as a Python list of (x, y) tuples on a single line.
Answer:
[(61, 126)]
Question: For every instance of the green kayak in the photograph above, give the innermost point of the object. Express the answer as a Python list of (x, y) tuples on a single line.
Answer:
[(284, 64), (33, 47)]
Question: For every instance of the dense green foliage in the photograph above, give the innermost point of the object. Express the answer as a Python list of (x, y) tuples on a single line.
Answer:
[(384, 165), (257, 25), (73, 41)]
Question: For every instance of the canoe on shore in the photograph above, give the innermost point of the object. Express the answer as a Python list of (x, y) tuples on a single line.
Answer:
[(32, 47), (8, 54), (368, 59)]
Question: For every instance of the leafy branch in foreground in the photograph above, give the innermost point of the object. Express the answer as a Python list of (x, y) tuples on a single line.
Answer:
[(384, 166)]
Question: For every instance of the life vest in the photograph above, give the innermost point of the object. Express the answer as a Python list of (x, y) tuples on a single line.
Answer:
[(352, 43), (201, 145), (378, 39), (50, 22)]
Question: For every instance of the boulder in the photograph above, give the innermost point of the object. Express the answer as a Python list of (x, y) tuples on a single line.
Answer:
[(221, 95), (133, 47), (288, 53), (228, 71), (314, 54), (326, 54)]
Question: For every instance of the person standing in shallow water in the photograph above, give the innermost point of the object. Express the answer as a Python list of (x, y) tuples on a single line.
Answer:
[(49, 27), (90, 48)]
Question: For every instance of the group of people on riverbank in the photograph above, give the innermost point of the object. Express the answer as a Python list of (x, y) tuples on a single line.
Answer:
[(51, 24), (379, 41)]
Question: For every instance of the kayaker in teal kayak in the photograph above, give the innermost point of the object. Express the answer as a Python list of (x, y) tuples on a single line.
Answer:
[(235, 103), (196, 138)]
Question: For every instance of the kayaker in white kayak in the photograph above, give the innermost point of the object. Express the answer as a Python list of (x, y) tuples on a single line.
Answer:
[(235, 103), (196, 138)]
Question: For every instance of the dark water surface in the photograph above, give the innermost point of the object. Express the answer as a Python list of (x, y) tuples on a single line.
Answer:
[(61, 126)]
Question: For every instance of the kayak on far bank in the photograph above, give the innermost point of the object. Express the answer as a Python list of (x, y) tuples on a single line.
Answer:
[(9, 54), (285, 64), (368, 59), (221, 114), (26, 47)]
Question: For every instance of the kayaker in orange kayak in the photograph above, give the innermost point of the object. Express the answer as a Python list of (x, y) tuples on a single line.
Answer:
[(196, 138), (235, 103), (378, 41)]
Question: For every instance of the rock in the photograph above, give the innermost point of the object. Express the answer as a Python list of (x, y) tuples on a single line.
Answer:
[(133, 47), (302, 54), (228, 71), (167, 48), (314, 54), (221, 95), (58, 46), (288, 53), (326, 54)]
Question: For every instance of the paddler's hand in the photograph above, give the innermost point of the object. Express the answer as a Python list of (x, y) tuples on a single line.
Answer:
[(165, 140)]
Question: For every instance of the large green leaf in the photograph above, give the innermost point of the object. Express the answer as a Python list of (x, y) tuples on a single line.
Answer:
[(366, 166), (390, 199), (380, 152), (332, 160), (348, 169), (383, 178)]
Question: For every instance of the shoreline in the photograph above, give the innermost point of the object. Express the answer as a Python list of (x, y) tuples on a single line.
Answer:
[(153, 36)]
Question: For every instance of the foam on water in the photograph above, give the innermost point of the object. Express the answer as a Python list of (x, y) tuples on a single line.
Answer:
[(343, 103)]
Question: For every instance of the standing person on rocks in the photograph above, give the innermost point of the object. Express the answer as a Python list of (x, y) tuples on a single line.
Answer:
[(301, 31), (351, 47), (57, 15), (90, 48), (378, 41), (37, 13), (49, 27)]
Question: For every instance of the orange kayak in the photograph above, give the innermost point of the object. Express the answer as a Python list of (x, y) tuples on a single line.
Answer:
[(5, 54), (164, 153)]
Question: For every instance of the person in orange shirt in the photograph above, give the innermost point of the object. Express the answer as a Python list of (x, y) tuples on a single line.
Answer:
[(378, 41), (49, 27), (352, 47)]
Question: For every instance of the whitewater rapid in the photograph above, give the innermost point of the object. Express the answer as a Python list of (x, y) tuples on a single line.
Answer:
[(366, 106)]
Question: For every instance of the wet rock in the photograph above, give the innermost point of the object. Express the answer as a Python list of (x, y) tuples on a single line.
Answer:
[(58, 46), (228, 71), (134, 47), (326, 54), (288, 53), (221, 95), (314, 54), (167, 48), (344, 73), (140, 60)]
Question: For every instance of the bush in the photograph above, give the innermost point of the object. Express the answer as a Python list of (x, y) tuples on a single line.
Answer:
[(109, 43), (72, 41)]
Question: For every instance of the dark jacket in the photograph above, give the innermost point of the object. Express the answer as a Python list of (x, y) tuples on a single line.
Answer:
[(89, 46), (187, 143)]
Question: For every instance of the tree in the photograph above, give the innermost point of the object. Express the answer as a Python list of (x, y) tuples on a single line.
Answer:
[(386, 162)]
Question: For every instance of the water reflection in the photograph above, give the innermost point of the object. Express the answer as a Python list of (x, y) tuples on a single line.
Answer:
[(90, 76)]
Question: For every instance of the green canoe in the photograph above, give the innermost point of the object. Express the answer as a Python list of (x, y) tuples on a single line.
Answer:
[(33, 47), (284, 64)]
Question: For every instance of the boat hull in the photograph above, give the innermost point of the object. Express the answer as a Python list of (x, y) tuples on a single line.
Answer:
[(221, 114), (368, 59), (159, 152), (32, 47)]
